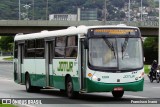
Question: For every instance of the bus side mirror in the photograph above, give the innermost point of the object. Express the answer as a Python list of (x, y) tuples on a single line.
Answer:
[(85, 43)]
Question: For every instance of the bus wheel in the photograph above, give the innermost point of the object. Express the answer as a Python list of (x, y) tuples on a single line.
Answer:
[(29, 88), (62, 91), (117, 94), (69, 88)]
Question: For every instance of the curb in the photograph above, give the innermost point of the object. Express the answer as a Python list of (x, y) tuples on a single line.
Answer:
[(10, 62)]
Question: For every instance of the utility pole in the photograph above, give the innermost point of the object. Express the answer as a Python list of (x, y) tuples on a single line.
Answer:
[(141, 10), (105, 16), (47, 10), (33, 10), (19, 9), (129, 6)]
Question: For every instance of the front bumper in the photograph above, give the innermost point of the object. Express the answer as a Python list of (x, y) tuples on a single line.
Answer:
[(92, 86)]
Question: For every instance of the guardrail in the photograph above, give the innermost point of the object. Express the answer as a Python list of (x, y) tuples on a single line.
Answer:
[(75, 23), (6, 62), (138, 24)]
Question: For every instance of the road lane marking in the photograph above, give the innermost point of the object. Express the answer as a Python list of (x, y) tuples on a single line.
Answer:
[(27, 105), (133, 96), (155, 87), (124, 96)]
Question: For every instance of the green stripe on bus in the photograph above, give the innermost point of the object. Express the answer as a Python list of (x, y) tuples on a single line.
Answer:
[(36, 79), (59, 82), (107, 87), (55, 81)]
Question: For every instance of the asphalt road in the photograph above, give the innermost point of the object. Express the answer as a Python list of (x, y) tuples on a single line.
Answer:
[(9, 89)]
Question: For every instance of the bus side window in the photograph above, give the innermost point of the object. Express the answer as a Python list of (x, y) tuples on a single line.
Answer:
[(39, 48), (30, 51), (72, 46), (15, 50), (60, 46)]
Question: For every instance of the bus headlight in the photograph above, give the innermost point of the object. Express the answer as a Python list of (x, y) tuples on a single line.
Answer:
[(158, 71), (94, 78)]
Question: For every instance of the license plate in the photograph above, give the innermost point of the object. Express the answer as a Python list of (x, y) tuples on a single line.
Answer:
[(118, 89)]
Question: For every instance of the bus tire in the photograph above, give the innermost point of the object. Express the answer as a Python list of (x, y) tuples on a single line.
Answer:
[(62, 90), (117, 94), (69, 89), (29, 88)]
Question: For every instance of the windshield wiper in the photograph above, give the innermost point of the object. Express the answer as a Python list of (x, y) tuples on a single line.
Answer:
[(124, 46), (110, 46)]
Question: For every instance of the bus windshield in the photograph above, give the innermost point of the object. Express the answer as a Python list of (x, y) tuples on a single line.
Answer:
[(121, 53)]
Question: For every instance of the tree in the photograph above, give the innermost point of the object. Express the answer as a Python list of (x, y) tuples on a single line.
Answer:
[(6, 43), (150, 49), (118, 3)]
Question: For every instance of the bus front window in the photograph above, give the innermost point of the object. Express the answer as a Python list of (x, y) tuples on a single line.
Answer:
[(130, 53), (102, 52), (120, 53)]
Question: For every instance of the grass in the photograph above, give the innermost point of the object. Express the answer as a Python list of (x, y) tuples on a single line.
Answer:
[(8, 59), (7, 105), (146, 69)]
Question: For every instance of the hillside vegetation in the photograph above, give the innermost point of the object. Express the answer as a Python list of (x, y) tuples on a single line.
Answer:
[(9, 8)]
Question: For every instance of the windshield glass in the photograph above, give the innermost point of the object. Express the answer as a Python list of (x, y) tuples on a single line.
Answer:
[(120, 53)]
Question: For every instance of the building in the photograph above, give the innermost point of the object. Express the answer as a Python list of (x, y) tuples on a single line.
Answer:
[(82, 14), (65, 17), (88, 14)]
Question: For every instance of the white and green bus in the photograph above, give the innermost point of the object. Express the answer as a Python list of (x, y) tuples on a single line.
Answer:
[(81, 60)]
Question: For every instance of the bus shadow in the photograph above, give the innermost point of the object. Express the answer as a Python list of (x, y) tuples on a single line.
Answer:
[(90, 98), (57, 97)]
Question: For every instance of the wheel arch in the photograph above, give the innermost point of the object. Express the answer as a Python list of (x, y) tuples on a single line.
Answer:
[(67, 76), (26, 74)]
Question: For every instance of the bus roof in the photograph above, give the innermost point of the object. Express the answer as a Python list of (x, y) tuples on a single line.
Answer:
[(69, 31)]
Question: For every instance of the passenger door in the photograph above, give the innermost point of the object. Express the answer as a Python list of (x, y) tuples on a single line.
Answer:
[(82, 64), (20, 62), (49, 62)]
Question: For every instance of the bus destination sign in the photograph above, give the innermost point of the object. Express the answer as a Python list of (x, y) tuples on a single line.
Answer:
[(114, 31)]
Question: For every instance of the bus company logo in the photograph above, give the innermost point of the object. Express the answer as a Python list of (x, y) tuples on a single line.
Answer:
[(6, 101), (65, 66), (129, 76)]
